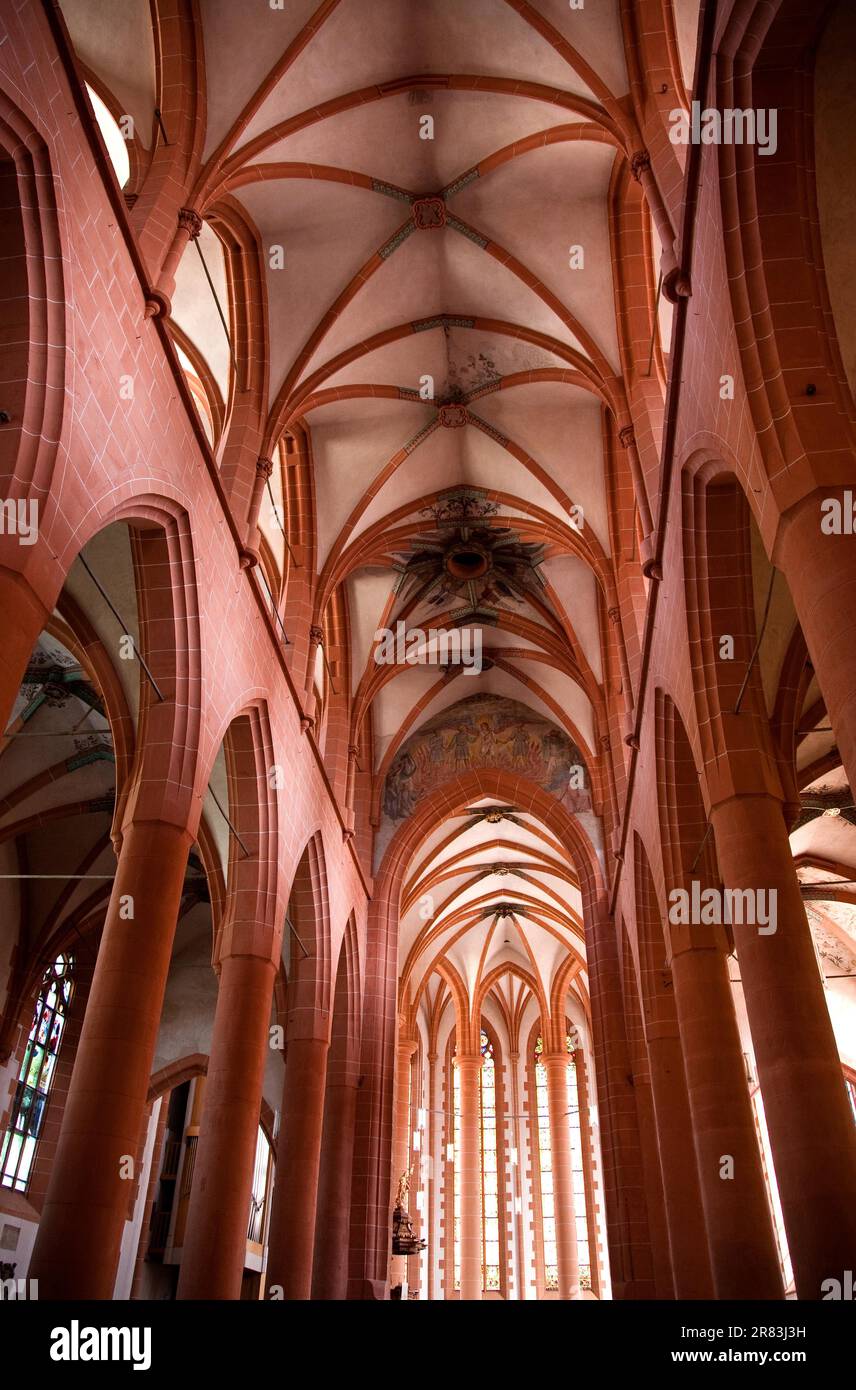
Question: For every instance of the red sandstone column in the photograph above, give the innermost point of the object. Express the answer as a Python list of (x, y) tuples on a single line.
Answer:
[(742, 1245), (821, 572), (401, 1138), (188, 229), (77, 1246), (681, 1194), (215, 1241), (628, 1231), (468, 1175), (556, 1067), (808, 1116), (292, 1225), (330, 1263)]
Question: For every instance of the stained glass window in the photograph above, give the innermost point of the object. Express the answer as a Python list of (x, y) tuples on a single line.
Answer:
[(545, 1153), (36, 1075)]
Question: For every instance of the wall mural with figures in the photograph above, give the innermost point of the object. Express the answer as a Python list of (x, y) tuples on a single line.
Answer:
[(484, 731)]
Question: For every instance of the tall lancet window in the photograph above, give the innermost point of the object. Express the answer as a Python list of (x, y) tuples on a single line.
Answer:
[(545, 1170), (490, 1170), (490, 1177), (36, 1075)]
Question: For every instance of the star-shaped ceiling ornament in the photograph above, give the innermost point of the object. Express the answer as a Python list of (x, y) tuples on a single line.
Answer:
[(484, 566)]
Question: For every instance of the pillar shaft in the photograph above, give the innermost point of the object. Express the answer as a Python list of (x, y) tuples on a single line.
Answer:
[(681, 1194), (741, 1241), (215, 1241), (86, 1205), (556, 1067), (628, 1231), (468, 1176), (810, 1125), (330, 1264), (292, 1227)]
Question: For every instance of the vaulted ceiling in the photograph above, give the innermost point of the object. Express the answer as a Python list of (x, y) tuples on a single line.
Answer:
[(442, 203)]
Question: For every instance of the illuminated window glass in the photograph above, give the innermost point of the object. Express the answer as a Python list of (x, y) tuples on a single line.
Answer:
[(36, 1075), (491, 1245), (490, 1172), (117, 149), (545, 1168), (456, 1140)]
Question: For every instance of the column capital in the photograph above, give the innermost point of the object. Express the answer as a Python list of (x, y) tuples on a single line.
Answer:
[(468, 1061), (627, 436), (264, 467), (640, 163), (190, 222), (554, 1057)]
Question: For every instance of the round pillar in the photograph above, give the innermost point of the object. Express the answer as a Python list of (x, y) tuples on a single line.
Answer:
[(808, 1116), (628, 1224), (468, 1176), (741, 1241), (556, 1067), (215, 1242), (77, 1246), (292, 1225), (681, 1194), (330, 1263)]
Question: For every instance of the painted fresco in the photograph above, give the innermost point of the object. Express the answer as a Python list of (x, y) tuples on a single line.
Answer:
[(485, 731)]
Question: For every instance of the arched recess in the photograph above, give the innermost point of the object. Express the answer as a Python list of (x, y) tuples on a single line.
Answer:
[(770, 220), (371, 1204), (250, 922), (241, 469), (32, 377), (724, 624), (33, 298), (332, 1227), (65, 757), (166, 768), (306, 946)]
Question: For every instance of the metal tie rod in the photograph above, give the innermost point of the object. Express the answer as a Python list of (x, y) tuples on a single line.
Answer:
[(124, 626)]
